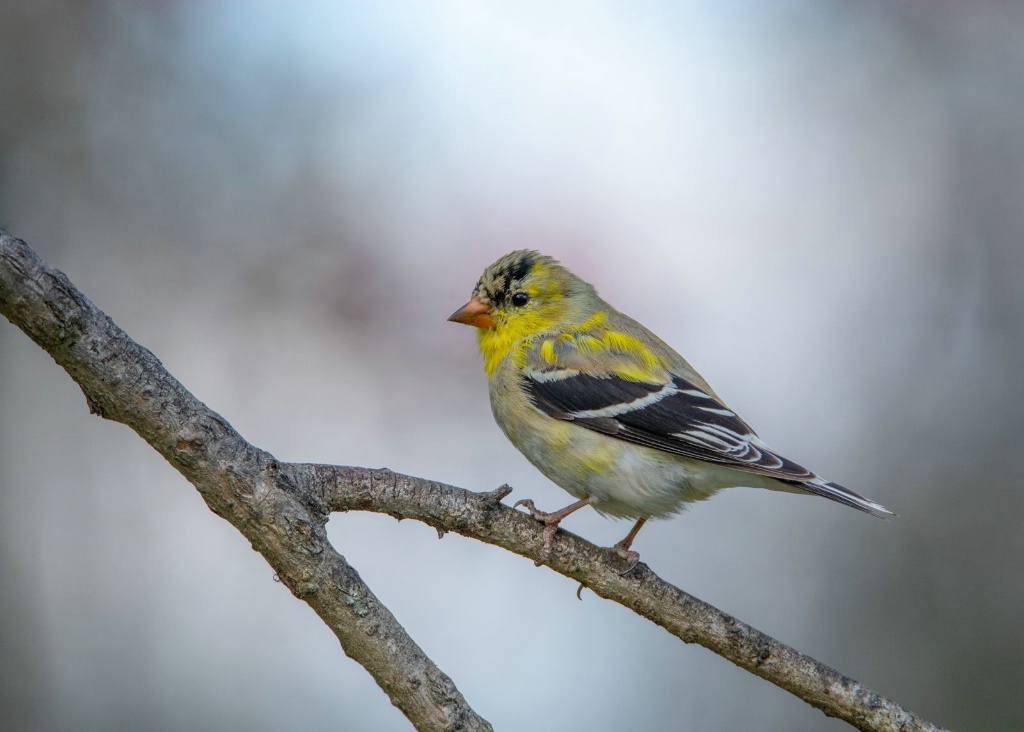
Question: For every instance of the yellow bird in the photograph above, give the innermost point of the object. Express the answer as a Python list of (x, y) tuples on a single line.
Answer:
[(607, 410)]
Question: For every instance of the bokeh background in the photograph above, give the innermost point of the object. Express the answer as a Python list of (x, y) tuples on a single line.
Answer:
[(821, 204)]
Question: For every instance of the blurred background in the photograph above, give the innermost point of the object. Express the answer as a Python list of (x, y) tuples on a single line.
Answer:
[(818, 203)]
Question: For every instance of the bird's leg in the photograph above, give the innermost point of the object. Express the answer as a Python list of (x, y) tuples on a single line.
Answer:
[(623, 547), (550, 521)]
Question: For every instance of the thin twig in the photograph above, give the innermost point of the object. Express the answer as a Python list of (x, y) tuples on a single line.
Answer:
[(482, 516)]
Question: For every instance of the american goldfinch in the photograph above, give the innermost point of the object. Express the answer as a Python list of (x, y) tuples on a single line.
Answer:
[(607, 410)]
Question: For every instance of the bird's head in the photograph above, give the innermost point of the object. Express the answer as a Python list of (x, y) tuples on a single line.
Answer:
[(524, 294), (524, 286)]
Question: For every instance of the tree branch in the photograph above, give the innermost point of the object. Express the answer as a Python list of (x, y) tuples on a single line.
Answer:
[(282, 508), (124, 382)]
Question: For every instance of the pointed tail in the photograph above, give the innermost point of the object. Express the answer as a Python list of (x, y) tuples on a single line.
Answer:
[(836, 492)]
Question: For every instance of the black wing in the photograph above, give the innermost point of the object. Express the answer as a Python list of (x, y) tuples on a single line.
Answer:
[(677, 417)]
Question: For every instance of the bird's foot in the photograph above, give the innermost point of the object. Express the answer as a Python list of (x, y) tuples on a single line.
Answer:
[(532, 508), (550, 521), (629, 557), (622, 549)]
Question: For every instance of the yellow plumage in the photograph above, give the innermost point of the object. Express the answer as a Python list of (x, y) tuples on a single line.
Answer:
[(606, 409)]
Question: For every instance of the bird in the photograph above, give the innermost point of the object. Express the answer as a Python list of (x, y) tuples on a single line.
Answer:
[(607, 410)]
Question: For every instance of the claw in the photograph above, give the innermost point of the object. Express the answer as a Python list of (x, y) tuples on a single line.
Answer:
[(528, 502)]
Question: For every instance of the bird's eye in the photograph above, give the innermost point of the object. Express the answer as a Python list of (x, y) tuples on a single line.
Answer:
[(520, 299)]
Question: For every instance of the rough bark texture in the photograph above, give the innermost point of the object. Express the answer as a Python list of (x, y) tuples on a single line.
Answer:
[(124, 382), (282, 508)]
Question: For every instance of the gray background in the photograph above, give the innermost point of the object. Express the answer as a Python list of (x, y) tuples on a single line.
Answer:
[(818, 203)]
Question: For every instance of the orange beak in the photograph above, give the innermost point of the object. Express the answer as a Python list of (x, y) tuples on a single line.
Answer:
[(475, 312)]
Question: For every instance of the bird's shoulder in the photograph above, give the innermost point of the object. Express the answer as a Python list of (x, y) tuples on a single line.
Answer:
[(606, 343)]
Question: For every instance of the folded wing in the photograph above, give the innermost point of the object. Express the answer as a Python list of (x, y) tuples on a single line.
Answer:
[(672, 414)]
